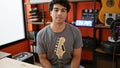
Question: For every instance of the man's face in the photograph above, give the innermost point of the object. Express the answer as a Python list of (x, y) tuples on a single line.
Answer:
[(59, 13)]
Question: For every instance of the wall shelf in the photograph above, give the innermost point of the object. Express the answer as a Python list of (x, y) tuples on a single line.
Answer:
[(101, 26), (47, 1), (35, 23)]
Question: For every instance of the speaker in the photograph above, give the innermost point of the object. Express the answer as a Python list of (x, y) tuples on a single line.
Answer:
[(109, 17), (118, 16), (89, 14), (89, 43)]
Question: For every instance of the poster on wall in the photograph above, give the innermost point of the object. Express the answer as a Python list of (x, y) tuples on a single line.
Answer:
[(12, 23)]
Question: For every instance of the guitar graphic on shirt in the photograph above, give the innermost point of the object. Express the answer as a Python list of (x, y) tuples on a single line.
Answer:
[(60, 50), (108, 6)]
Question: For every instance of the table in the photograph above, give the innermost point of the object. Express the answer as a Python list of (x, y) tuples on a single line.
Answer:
[(4, 54), (12, 63)]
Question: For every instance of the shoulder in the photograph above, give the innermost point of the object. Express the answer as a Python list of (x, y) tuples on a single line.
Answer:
[(73, 28)]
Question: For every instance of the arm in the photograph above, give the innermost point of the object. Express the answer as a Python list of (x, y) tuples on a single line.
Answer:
[(44, 61), (75, 63)]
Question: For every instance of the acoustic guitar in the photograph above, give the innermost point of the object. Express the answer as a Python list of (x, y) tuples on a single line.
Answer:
[(108, 6), (60, 50)]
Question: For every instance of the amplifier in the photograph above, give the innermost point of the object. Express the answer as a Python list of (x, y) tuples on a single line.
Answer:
[(110, 17), (89, 43), (89, 14)]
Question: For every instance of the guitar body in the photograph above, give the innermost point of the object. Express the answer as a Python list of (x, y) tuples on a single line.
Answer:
[(108, 6)]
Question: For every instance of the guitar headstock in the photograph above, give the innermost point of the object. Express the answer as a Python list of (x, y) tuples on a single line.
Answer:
[(60, 48)]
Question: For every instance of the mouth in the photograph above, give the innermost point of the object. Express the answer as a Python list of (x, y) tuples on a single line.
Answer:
[(59, 18)]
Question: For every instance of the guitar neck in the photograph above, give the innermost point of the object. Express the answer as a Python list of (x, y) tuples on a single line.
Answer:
[(60, 63)]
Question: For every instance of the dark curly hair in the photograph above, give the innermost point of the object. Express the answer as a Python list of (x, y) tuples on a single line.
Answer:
[(64, 3)]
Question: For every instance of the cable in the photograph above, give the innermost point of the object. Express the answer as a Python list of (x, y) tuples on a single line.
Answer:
[(114, 49)]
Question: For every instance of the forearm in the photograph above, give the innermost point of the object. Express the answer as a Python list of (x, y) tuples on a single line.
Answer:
[(75, 63), (45, 63)]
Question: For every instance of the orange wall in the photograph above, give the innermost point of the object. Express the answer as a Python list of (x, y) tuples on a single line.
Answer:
[(86, 5), (86, 31), (70, 14)]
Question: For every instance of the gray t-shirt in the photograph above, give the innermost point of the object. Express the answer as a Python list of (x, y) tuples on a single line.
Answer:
[(47, 41)]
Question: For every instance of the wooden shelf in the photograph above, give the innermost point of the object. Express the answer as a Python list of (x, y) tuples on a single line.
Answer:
[(35, 23), (101, 26), (36, 3), (99, 50), (42, 2)]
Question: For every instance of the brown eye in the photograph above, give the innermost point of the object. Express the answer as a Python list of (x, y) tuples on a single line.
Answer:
[(56, 10), (63, 10)]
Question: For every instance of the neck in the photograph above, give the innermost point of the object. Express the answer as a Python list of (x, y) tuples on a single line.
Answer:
[(57, 27)]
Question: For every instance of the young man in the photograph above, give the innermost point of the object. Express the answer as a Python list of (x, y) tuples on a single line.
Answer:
[(59, 40)]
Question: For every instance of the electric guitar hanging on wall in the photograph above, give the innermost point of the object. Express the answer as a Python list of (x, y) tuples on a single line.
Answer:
[(108, 6), (60, 50)]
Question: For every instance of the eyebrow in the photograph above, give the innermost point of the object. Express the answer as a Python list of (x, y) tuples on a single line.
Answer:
[(61, 9)]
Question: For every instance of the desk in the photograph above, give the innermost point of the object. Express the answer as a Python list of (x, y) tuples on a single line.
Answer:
[(12, 63), (4, 54)]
